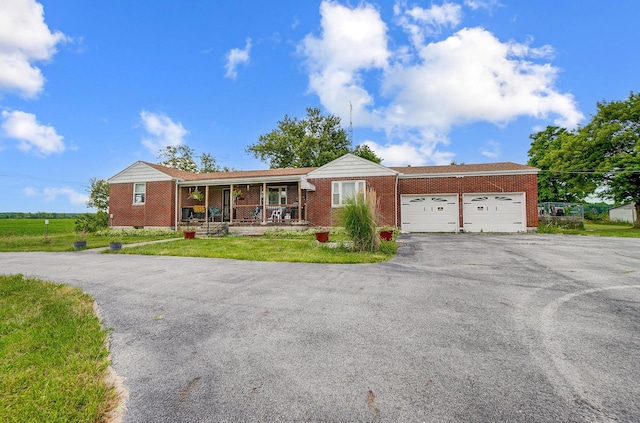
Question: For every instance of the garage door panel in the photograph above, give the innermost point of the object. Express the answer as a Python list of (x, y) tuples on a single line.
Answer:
[(429, 213), (493, 212)]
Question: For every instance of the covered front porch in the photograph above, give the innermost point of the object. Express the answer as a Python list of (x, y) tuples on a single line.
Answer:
[(279, 202)]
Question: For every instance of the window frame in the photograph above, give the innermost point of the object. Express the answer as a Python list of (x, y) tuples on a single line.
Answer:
[(337, 191), (281, 189), (143, 193)]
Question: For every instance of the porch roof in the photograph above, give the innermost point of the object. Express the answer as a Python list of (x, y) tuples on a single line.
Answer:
[(248, 176)]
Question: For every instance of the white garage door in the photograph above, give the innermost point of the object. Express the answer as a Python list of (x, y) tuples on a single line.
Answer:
[(429, 213), (494, 212)]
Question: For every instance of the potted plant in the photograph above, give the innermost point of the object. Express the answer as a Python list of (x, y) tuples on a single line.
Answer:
[(115, 241), (386, 233), (196, 195), (189, 234), (322, 235), (237, 193), (80, 240)]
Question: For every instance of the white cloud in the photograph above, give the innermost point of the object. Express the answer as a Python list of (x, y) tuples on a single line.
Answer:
[(50, 195), (472, 76), (491, 150), (481, 4), (30, 134), (161, 131), (353, 40), (420, 23), (417, 95), (24, 39), (236, 57)]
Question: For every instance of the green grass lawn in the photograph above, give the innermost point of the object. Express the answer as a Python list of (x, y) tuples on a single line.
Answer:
[(266, 248), (596, 229), (23, 235), (53, 356)]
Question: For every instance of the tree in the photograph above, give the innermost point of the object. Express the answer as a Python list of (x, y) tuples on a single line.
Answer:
[(545, 154), (98, 194), (182, 157), (178, 157), (601, 157), (610, 145), (309, 142), (366, 152)]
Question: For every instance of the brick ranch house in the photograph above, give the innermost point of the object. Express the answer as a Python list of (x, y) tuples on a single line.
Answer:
[(494, 197)]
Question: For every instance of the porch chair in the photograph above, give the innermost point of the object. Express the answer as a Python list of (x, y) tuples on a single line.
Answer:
[(257, 213), (215, 212), (276, 214)]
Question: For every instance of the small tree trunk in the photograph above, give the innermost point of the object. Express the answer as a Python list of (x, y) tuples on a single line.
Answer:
[(636, 213)]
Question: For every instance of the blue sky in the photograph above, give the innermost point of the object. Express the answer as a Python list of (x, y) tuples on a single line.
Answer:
[(89, 87)]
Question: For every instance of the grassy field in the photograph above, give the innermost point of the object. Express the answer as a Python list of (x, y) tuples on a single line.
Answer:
[(22, 235), (35, 227), (53, 356)]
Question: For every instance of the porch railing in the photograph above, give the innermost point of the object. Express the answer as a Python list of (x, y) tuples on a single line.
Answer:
[(282, 214)]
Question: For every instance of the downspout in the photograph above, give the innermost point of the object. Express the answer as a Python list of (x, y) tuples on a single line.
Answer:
[(175, 216), (396, 201)]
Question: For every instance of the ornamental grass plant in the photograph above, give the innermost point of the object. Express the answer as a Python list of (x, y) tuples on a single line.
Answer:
[(359, 216)]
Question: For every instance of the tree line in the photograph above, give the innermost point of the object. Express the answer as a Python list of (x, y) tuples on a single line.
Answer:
[(38, 215)]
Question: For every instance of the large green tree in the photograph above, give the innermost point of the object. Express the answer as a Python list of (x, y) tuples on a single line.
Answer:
[(309, 142), (554, 182), (601, 157), (610, 145)]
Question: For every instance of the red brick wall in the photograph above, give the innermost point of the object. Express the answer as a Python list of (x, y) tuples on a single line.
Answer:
[(158, 209), (320, 212), (478, 184)]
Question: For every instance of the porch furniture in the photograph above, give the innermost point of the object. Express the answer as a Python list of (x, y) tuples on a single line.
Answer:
[(215, 212), (198, 212), (276, 214), (257, 213)]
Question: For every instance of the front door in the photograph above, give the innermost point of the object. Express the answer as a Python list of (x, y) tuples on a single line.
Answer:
[(226, 205)]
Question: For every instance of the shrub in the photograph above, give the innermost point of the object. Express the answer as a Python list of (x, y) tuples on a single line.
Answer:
[(92, 222), (359, 218)]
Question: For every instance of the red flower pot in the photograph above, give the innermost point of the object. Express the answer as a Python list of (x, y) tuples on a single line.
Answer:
[(386, 235), (322, 236), (189, 234)]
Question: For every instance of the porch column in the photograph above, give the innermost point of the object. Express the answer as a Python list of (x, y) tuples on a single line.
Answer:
[(179, 217), (299, 214), (265, 196), (206, 206), (232, 202)]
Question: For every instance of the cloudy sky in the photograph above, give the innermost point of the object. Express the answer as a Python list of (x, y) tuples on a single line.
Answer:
[(87, 88)]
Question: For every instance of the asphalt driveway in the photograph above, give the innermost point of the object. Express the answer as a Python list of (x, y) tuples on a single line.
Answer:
[(457, 328)]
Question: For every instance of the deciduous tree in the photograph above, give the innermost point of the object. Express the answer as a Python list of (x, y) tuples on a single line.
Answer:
[(602, 157), (183, 157), (309, 142), (98, 194)]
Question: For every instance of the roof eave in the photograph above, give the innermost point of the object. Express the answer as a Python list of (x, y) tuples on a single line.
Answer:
[(532, 171), (242, 180)]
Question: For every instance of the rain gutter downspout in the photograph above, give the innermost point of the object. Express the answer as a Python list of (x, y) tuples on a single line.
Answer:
[(396, 201), (175, 216)]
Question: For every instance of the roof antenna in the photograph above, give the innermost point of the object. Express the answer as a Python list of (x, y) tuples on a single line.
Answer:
[(350, 124)]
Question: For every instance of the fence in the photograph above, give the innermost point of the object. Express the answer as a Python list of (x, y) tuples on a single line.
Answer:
[(566, 215)]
